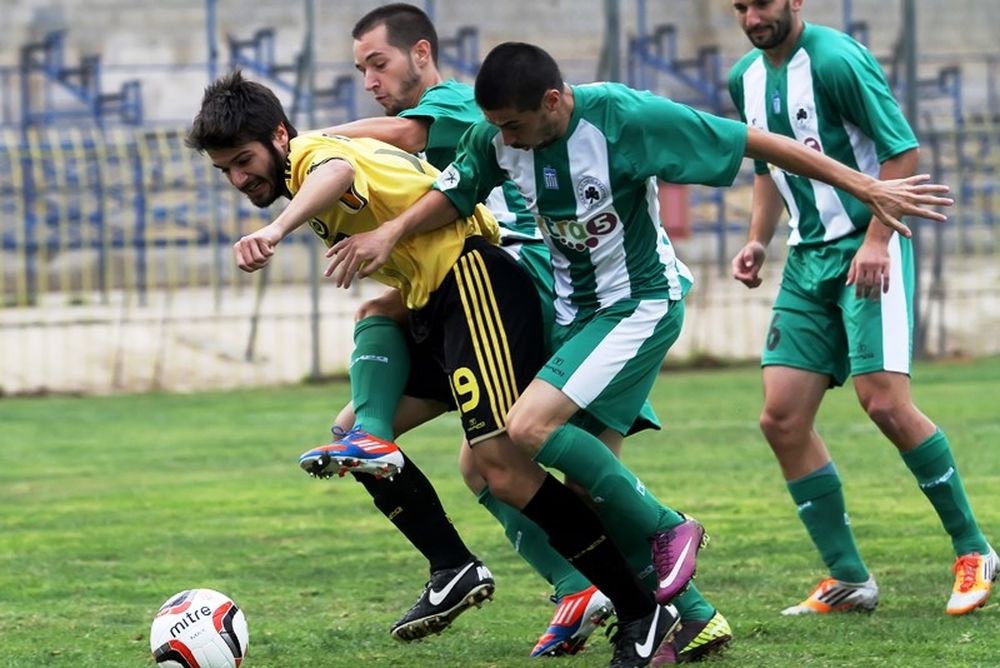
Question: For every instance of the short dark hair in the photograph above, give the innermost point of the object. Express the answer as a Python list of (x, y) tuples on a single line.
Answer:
[(515, 74), (236, 111), (405, 25)]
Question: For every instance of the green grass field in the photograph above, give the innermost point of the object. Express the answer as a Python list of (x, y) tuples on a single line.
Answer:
[(109, 505)]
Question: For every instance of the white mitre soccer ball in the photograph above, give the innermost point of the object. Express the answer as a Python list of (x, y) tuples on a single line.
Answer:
[(199, 628)]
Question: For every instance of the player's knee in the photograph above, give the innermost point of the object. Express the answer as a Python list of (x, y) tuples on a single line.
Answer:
[(370, 308), (778, 426), (512, 477), (884, 410), (502, 482), (526, 433), (470, 473)]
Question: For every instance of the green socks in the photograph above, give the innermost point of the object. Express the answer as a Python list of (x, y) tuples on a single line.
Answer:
[(934, 468), (533, 545), (616, 491), (692, 606), (820, 499), (380, 366)]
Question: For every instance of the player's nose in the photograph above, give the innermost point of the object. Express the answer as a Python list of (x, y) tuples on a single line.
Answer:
[(238, 177)]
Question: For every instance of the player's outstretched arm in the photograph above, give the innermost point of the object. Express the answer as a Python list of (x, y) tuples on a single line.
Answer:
[(409, 134), (319, 191), (362, 254), (888, 200)]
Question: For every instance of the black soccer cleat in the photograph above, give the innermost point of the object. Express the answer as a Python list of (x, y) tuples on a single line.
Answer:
[(636, 641), (449, 593)]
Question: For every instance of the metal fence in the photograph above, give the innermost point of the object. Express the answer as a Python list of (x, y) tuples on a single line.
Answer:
[(116, 271)]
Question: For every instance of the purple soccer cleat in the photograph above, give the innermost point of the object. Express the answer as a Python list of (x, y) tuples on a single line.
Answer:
[(675, 554)]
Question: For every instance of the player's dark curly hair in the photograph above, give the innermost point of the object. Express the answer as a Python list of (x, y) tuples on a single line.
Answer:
[(405, 25), (516, 75), (236, 111)]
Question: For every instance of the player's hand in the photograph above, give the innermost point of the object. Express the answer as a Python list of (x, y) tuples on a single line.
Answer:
[(891, 200), (359, 255), (747, 264), (869, 272), (254, 251)]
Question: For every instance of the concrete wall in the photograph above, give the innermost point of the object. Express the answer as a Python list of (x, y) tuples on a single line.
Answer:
[(144, 36)]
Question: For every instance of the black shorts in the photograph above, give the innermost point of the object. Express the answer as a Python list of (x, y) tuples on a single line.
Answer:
[(483, 327), (426, 379)]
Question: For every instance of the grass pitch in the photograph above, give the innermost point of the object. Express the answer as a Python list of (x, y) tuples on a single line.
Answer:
[(109, 505)]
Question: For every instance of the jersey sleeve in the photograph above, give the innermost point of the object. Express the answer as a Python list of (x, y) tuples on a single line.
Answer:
[(737, 94), (308, 152), (475, 172), (859, 91), (679, 144), (446, 118)]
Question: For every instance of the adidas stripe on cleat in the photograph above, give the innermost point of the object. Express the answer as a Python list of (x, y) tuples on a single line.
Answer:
[(449, 593), (832, 595), (974, 577), (356, 452), (577, 616)]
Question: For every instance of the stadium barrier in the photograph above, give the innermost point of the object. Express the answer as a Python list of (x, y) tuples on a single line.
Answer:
[(117, 272)]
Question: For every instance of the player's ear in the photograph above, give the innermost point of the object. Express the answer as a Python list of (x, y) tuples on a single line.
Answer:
[(280, 137), (550, 100), (422, 52)]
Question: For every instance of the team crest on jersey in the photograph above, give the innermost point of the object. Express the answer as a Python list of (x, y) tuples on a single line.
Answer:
[(449, 178), (549, 175), (591, 192), (803, 117), (775, 102), (320, 228)]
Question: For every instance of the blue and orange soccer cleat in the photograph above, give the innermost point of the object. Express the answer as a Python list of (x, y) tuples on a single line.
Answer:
[(577, 616), (355, 452)]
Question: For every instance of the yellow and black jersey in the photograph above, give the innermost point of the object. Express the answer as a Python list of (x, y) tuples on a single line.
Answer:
[(387, 181)]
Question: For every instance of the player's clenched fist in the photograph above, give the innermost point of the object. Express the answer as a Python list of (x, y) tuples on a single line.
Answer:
[(747, 263), (254, 251)]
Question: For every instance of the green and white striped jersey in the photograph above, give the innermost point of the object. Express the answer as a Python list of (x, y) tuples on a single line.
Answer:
[(450, 108), (831, 95), (593, 190)]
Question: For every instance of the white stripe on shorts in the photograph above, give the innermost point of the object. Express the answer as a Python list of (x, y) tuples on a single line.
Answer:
[(895, 319), (616, 349)]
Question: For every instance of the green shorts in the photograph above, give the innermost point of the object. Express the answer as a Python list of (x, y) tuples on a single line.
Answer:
[(608, 364), (818, 324)]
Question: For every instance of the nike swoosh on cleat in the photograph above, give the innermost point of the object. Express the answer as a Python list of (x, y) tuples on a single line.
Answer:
[(667, 581), (646, 648), (435, 597)]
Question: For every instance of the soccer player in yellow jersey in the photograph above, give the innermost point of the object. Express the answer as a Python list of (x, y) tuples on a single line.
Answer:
[(466, 297), (376, 180)]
